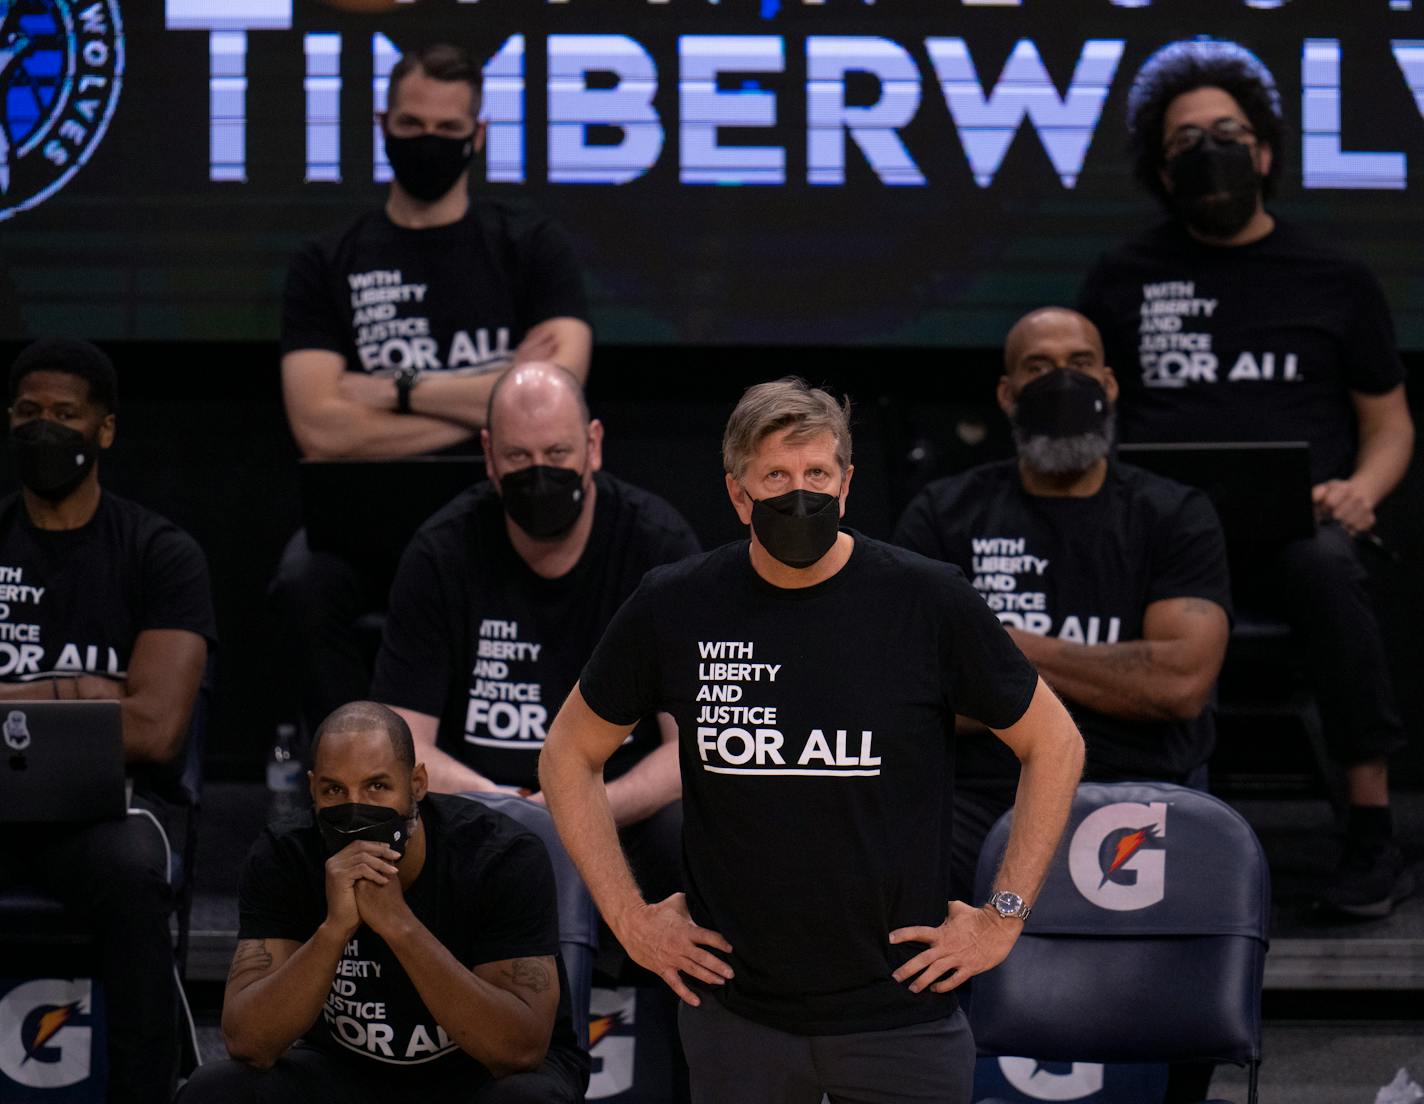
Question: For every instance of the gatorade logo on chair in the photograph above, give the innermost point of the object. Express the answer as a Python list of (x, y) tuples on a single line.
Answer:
[(1117, 858), (46, 1034), (611, 1041)]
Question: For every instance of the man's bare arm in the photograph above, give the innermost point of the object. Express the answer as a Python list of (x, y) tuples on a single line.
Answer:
[(1050, 753), (500, 1013), (329, 424), (447, 774), (59, 688), (1386, 433), (972, 940), (155, 700), (1166, 676), (661, 936), (165, 671), (277, 987), (566, 342), (653, 782), (274, 993)]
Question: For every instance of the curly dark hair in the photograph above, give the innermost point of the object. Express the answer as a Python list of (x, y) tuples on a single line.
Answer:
[(1184, 67)]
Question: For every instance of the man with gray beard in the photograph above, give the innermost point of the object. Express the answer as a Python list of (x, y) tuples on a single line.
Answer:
[(1111, 580)]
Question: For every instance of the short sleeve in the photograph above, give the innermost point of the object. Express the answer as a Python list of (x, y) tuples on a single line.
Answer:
[(1189, 556), (620, 680), (988, 677), (272, 891), (551, 284), (1372, 364), (518, 905), (309, 316), (417, 640), (916, 529), (176, 593)]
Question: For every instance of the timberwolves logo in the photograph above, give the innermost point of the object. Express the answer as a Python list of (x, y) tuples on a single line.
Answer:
[(1118, 859), (46, 1033), (61, 65)]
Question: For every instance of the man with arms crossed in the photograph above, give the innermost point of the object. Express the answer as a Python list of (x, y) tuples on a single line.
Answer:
[(814, 675), (402, 947), (395, 329), (1118, 581)]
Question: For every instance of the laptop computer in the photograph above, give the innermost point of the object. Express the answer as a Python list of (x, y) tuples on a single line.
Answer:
[(61, 762), (366, 511), (1261, 489)]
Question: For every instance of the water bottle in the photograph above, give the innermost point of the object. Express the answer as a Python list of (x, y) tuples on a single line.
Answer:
[(286, 780)]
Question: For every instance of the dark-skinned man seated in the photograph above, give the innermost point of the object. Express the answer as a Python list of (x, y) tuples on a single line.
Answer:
[(401, 945), (107, 601)]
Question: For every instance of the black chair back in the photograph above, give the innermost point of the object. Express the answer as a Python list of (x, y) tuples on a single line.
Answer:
[(1147, 942)]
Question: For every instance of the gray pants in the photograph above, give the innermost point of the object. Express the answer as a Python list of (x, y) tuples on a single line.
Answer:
[(735, 1061)]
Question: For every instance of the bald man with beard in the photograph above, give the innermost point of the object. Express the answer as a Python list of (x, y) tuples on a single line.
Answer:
[(501, 596), (1111, 580)]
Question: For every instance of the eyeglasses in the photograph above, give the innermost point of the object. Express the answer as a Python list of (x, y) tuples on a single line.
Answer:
[(1225, 129)]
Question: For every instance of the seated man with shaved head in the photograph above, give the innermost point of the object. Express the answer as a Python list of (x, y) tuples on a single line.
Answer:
[(403, 946), (1111, 580), (501, 596)]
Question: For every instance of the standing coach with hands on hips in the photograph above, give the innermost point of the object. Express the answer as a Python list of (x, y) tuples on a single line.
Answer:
[(814, 675)]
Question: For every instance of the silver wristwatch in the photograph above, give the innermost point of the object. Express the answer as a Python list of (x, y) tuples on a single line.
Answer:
[(1009, 905)]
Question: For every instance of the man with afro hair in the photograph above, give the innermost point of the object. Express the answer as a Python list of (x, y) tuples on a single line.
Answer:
[(1227, 324)]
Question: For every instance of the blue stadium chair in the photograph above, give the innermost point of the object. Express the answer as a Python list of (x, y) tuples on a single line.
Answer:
[(578, 919), (1147, 943)]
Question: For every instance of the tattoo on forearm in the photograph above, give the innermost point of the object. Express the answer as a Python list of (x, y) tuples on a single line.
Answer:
[(251, 957), (529, 973)]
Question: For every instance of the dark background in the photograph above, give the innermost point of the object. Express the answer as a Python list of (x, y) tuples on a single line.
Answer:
[(141, 245), (898, 296)]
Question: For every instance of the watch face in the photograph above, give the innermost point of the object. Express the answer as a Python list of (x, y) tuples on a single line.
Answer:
[(1008, 903)]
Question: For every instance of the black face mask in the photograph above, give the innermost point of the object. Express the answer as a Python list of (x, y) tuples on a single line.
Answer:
[(52, 459), (428, 165), (1215, 187), (1061, 403), (345, 824), (544, 501), (797, 527)]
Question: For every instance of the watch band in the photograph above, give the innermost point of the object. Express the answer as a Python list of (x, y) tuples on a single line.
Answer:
[(405, 383)]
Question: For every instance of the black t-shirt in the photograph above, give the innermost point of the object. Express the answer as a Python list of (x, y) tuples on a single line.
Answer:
[(74, 601), (1083, 570), (455, 298), (1259, 342), (476, 638), (486, 893), (816, 748)]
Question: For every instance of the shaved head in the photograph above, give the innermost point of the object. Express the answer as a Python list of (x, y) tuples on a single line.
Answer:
[(537, 389), (1053, 324), (363, 717)]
